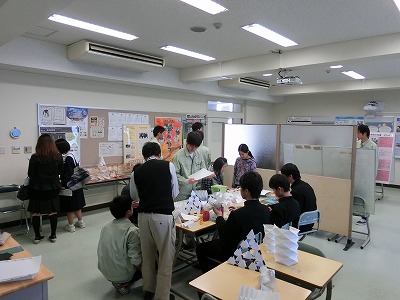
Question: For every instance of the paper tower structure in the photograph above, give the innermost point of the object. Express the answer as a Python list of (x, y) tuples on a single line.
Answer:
[(286, 246), (193, 204), (269, 238), (248, 254)]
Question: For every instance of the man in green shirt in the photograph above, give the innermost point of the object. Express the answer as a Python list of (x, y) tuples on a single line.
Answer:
[(119, 253), (188, 161)]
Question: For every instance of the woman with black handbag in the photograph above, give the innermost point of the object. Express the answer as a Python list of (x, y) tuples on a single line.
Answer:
[(45, 166)]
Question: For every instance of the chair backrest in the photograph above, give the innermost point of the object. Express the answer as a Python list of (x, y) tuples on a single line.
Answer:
[(286, 226), (207, 297), (359, 207), (309, 217), (310, 249)]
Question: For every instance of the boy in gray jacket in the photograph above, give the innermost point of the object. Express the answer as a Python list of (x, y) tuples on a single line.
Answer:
[(119, 252)]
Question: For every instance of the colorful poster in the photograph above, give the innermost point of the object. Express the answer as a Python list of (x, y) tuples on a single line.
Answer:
[(385, 142), (172, 136), (397, 146)]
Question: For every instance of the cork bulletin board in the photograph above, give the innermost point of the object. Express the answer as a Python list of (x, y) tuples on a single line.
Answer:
[(98, 133)]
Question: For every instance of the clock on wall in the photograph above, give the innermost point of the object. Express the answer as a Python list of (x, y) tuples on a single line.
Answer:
[(15, 133)]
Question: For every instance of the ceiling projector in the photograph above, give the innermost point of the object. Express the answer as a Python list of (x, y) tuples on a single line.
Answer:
[(290, 80), (371, 106)]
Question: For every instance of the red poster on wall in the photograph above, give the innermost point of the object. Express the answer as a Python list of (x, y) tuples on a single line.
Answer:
[(385, 142), (172, 136)]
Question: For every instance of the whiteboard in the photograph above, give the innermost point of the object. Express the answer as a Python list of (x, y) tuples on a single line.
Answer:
[(364, 177)]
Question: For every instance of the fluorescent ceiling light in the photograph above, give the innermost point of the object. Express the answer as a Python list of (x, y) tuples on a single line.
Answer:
[(269, 35), (397, 2), (336, 67), (92, 27), (353, 74), (206, 5), (187, 53), (267, 74)]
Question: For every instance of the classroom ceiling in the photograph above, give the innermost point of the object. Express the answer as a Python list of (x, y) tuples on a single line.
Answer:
[(363, 36)]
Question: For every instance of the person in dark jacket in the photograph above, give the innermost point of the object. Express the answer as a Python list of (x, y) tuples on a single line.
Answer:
[(288, 209), (301, 191), (240, 222), (73, 204), (45, 166)]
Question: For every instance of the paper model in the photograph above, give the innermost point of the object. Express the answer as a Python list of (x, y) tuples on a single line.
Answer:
[(250, 293), (269, 238), (188, 224), (193, 204), (267, 279), (248, 254), (286, 246), (102, 162)]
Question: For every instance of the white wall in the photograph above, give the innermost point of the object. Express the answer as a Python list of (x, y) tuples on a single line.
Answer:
[(258, 113), (338, 104)]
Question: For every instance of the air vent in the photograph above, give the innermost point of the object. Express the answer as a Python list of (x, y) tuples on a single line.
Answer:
[(98, 54), (245, 83)]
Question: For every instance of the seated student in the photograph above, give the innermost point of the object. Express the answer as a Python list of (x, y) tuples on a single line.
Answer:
[(218, 167), (288, 209), (126, 192), (301, 191), (119, 253), (251, 216)]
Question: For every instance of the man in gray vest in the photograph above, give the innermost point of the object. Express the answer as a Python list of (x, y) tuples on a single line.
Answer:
[(155, 185)]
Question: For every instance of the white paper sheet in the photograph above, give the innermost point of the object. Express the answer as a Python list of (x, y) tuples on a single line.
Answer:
[(201, 174), (19, 269), (265, 192), (189, 217)]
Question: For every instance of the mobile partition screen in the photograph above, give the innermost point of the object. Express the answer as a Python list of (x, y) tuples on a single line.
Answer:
[(261, 140)]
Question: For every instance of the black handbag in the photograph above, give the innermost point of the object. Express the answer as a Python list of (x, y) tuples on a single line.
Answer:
[(23, 192)]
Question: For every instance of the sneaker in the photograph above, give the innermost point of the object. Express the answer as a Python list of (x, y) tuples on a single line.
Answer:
[(361, 222), (80, 224), (122, 288), (52, 238), (37, 240), (70, 228)]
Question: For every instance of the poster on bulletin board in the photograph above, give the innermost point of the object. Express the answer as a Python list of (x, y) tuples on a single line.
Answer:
[(189, 121), (172, 136), (69, 133), (49, 115), (134, 137)]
